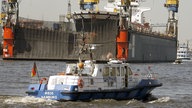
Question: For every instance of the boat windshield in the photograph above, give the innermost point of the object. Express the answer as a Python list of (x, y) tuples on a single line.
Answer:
[(71, 69)]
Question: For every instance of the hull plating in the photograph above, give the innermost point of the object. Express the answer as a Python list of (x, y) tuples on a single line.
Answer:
[(136, 93), (101, 29), (73, 92)]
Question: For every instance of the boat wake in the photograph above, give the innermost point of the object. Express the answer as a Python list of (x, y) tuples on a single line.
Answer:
[(161, 100), (132, 102), (28, 100)]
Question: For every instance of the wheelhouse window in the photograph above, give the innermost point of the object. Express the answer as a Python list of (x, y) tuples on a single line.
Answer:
[(122, 71), (71, 69), (106, 71), (128, 70), (91, 81), (112, 71), (118, 71)]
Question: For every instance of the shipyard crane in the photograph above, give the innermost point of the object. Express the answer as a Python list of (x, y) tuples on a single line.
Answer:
[(172, 6), (9, 20), (9, 12), (88, 4)]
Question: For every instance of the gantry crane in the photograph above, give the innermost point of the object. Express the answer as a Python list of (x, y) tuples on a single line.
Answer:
[(9, 18), (172, 6), (88, 4)]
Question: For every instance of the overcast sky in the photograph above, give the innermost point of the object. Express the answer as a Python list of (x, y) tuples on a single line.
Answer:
[(51, 9)]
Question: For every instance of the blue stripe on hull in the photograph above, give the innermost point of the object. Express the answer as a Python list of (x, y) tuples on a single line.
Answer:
[(97, 95), (139, 92), (143, 92), (133, 94), (121, 96), (68, 97), (58, 95), (84, 96), (110, 95)]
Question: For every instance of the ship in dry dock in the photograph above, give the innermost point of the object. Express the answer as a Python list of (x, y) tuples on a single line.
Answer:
[(119, 32)]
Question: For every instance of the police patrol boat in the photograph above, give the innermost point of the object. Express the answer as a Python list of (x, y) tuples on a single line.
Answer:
[(89, 80)]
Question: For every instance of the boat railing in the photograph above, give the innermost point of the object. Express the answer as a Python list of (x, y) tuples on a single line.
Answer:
[(39, 80)]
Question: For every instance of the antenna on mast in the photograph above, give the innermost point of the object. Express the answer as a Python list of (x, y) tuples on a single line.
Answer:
[(69, 11)]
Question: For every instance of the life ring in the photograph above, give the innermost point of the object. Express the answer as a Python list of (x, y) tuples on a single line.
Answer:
[(80, 83), (42, 79)]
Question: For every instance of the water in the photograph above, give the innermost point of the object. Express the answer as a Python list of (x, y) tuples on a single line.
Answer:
[(176, 91)]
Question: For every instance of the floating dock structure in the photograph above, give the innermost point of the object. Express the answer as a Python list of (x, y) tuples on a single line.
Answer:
[(115, 33)]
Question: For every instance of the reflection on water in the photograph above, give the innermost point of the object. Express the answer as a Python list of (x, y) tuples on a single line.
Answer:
[(15, 77)]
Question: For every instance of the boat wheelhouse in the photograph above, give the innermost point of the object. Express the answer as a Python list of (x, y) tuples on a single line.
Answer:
[(90, 80)]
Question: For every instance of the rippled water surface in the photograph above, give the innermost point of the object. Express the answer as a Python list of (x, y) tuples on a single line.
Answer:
[(176, 91)]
